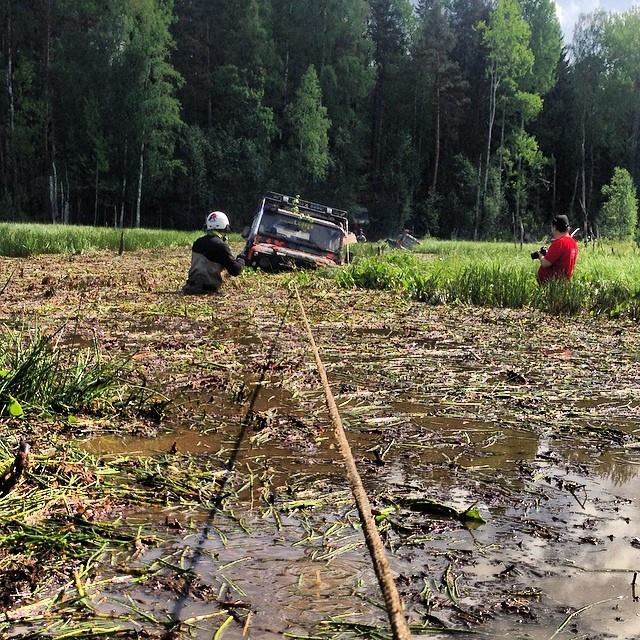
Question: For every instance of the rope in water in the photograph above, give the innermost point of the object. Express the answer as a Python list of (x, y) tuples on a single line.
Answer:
[(395, 610)]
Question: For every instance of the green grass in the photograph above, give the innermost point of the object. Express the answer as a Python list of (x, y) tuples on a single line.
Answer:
[(37, 375), (23, 240), (606, 279)]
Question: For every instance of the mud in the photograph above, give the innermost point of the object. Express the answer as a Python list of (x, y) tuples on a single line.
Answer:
[(534, 418)]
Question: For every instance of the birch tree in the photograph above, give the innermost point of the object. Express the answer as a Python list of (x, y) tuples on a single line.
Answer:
[(589, 69), (507, 37)]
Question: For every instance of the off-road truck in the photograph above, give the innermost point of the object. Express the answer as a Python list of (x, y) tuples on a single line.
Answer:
[(290, 233)]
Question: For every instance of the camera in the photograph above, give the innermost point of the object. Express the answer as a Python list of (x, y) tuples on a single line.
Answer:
[(541, 252)]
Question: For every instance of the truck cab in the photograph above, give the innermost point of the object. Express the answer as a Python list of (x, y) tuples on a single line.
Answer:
[(290, 233)]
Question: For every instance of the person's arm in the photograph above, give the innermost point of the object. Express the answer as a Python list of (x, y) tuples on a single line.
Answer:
[(232, 265), (553, 253)]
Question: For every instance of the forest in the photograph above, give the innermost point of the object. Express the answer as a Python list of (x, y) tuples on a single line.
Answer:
[(467, 119)]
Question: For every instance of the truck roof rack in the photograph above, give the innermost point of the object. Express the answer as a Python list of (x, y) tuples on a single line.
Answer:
[(337, 216)]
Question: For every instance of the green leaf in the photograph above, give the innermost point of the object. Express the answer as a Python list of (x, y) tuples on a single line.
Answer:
[(472, 514), (383, 514), (469, 517), (4, 373), (15, 408)]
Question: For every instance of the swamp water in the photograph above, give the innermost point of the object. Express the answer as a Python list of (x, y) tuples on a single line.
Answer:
[(558, 491), (534, 419)]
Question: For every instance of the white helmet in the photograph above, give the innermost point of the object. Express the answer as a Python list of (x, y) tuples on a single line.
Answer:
[(217, 221)]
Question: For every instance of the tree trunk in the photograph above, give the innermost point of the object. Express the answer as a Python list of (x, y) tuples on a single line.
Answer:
[(501, 164), (124, 186), (520, 180), (436, 151), (139, 199), (493, 90), (53, 193), (415, 127), (518, 192), (67, 204), (9, 169), (635, 134), (63, 218), (49, 138), (323, 55), (285, 81), (501, 155), (209, 96), (589, 199), (12, 112), (521, 234), (378, 98), (476, 222), (572, 202), (64, 198), (583, 172), (554, 186), (95, 201)]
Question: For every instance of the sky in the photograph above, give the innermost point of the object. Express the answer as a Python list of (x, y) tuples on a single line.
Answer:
[(569, 10)]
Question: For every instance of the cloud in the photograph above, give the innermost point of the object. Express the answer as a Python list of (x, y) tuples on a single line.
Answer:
[(568, 12)]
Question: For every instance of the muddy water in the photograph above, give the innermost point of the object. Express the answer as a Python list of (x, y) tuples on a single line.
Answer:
[(436, 407), (535, 419)]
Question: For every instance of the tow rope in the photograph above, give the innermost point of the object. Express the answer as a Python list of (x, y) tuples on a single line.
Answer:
[(394, 607)]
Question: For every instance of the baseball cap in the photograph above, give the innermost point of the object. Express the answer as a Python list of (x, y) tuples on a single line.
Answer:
[(561, 222)]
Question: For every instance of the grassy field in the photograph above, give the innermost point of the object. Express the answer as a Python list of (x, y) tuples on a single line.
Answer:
[(488, 274), (606, 279), (24, 240)]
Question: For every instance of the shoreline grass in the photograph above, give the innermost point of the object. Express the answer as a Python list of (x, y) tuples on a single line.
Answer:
[(489, 274), (38, 375)]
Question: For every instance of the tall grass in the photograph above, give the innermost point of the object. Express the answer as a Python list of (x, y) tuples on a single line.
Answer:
[(606, 279), (36, 374), (23, 240)]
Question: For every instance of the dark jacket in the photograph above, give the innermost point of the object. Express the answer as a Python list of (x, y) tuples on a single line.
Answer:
[(210, 255)]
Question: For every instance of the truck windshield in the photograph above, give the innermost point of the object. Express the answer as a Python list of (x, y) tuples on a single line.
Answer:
[(302, 231)]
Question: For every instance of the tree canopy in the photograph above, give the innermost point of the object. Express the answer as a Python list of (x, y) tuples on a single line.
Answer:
[(467, 118)]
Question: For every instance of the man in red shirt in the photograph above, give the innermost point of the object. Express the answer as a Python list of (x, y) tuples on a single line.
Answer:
[(560, 258)]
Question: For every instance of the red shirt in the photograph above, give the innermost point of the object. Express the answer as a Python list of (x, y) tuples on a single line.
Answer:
[(562, 254)]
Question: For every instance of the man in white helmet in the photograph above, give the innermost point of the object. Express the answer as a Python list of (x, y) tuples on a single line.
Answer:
[(210, 256)]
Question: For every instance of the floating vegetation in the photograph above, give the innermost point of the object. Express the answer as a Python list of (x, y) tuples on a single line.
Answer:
[(341, 630), (470, 516), (69, 536)]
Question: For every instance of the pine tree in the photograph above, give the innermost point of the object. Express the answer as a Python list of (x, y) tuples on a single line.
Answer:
[(393, 166), (310, 126)]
